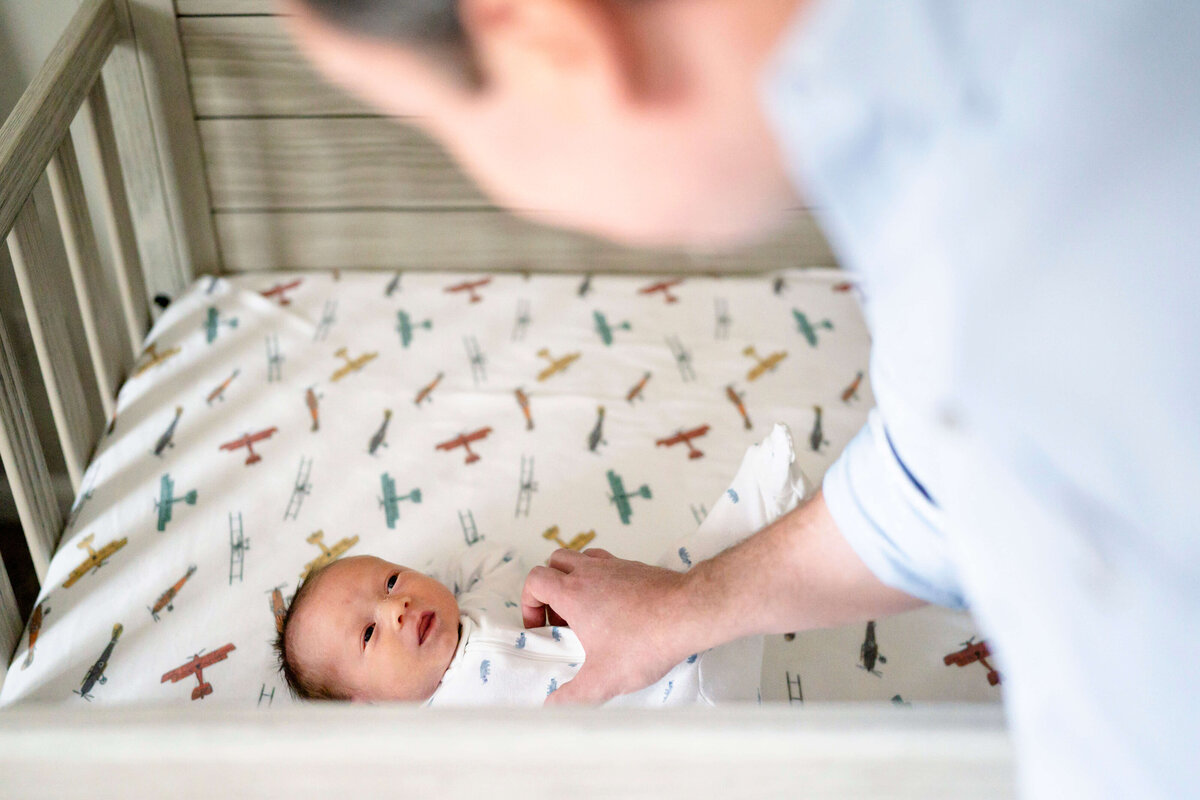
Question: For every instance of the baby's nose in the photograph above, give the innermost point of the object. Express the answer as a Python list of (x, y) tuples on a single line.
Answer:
[(400, 608)]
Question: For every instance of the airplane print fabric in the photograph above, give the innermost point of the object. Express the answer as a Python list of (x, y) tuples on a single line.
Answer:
[(278, 421)]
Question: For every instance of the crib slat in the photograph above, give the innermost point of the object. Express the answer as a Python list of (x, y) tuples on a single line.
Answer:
[(83, 258), (24, 464), (10, 621), (48, 319), (114, 205)]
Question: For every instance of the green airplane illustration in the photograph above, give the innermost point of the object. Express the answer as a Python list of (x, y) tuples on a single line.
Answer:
[(390, 502), (808, 329), (621, 498), (213, 321), (405, 327), (605, 330), (165, 500)]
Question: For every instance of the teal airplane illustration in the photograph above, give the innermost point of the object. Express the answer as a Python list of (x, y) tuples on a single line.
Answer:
[(165, 500), (605, 330), (621, 498), (808, 329), (390, 502), (213, 321), (405, 326)]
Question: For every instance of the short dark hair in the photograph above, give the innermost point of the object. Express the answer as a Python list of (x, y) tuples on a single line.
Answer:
[(430, 25), (300, 682)]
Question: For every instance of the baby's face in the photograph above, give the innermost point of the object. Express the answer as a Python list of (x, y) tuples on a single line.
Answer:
[(376, 630)]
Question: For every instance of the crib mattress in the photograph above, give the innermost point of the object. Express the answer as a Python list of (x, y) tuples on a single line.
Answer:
[(278, 421)]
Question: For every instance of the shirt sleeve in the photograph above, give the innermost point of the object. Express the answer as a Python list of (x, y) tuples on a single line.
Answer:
[(886, 520)]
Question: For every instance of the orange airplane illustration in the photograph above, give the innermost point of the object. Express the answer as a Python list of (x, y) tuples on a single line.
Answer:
[(196, 667), (686, 438), (580, 540), (247, 441), (557, 365), (167, 598), (464, 440), (425, 393), (665, 288), (762, 365), (523, 401), (636, 392), (974, 651), (737, 399), (352, 364), (278, 607), (152, 358), (311, 400), (470, 286), (95, 558), (851, 391), (844, 286), (280, 290), (219, 392), (328, 554), (35, 628)]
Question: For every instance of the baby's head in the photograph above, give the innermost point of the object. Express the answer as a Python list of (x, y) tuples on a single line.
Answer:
[(365, 629)]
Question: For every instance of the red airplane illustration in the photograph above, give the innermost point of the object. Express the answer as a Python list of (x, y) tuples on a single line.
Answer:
[(465, 440), (470, 286), (686, 437), (196, 667), (248, 441), (279, 290), (974, 651), (665, 288)]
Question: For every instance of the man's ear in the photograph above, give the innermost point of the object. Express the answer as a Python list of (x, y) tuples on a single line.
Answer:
[(566, 48)]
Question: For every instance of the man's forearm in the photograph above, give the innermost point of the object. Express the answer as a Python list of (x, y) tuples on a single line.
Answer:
[(797, 573)]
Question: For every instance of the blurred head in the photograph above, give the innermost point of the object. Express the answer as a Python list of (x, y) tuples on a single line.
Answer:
[(365, 629), (638, 120)]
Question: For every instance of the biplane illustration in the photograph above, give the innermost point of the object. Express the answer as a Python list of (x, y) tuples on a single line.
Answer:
[(779, 285), (219, 392), (596, 437), (525, 487), (469, 528), (620, 498), (557, 365), (868, 653), (278, 606), (378, 439), (737, 400), (247, 441), (685, 437), (196, 666), (95, 673), (213, 283), (167, 599), (35, 629), (851, 391), (808, 329), (274, 359), (301, 488), (722, 319), (313, 401), (762, 365), (817, 437), (152, 358), (469, 287), (664, 287), (351, 365), (166, 500), (328, 554), (577, 543), (523, 402), (390, 501), (636, 392), (974, 651), (393, 285), (213, 322), (264, 694), (683, 358), (238, 545), (585, 285), (95, 558), (86, 491), (164, 441), (521, 323), (279, 291), (405, 327), (476, 359), (798, 695), (325, 324), (427, 391), (464, 440), (606, 330)]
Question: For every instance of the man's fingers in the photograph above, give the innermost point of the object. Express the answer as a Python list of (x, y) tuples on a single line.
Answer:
[(598, 552), (565, 560), (542, 586), (581, 690)]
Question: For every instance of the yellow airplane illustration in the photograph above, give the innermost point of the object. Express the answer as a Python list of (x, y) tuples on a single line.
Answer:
[(95, 558), (328, 554), (580, 541), (557, 365), (352, 364), (152, 358), (767, 364)]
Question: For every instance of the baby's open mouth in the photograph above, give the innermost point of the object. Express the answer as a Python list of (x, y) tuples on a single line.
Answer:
[(424, 626)]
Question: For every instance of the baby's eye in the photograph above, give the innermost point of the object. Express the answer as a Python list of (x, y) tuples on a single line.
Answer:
[(367, 633), (391, 582)]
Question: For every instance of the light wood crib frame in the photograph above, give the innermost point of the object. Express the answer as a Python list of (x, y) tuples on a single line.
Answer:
[(203, 171)]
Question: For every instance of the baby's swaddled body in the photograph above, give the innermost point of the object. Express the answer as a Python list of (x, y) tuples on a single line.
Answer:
[(500, 662)]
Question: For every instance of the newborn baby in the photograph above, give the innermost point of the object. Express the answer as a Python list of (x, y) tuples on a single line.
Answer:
[(365, 629)]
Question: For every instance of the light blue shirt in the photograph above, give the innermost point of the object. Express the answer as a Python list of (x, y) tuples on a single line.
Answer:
[(1018, 186)]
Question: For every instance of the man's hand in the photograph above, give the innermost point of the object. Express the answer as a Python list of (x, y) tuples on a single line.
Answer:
[(628, 616)]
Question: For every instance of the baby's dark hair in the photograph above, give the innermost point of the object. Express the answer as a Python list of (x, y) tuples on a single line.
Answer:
[(301, 684)]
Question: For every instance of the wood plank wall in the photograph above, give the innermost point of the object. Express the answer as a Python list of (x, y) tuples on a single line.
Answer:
[(303, 176)]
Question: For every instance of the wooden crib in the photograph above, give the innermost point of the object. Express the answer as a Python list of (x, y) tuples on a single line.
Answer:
[(218, 150)]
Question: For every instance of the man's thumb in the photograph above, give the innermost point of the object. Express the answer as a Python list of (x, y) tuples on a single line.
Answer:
[(583, 689)]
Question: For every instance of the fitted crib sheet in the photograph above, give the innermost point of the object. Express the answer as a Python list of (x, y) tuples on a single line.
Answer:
[(277, 421)]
